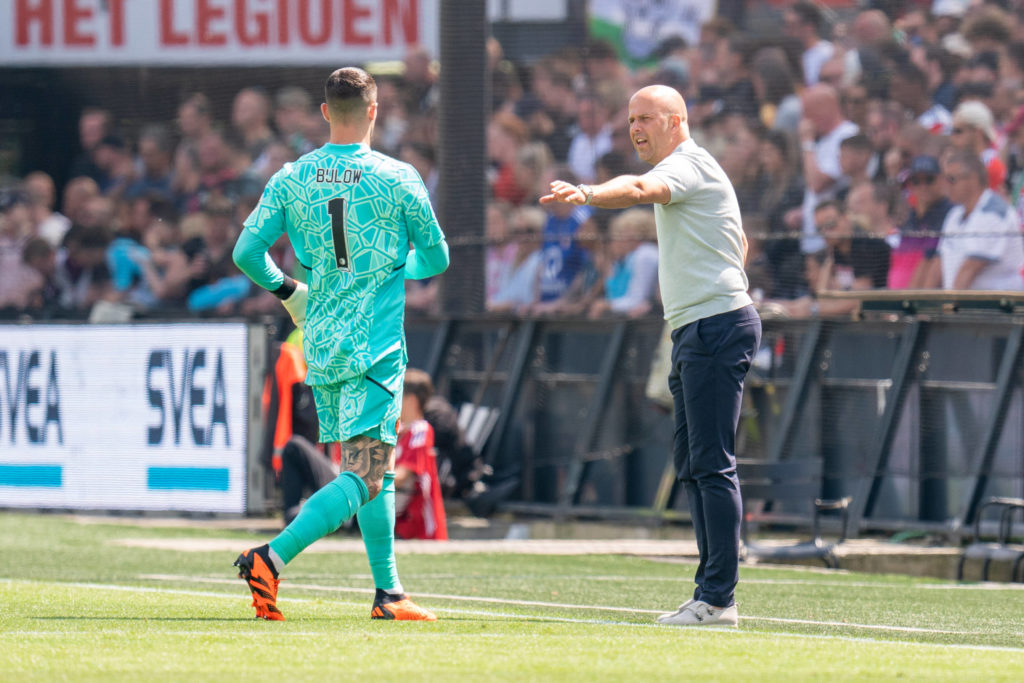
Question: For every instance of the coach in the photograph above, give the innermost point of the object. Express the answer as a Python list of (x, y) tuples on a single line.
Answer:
[(716, 331)]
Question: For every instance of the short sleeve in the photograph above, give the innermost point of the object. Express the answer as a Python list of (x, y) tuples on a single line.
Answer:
[(679, 176)]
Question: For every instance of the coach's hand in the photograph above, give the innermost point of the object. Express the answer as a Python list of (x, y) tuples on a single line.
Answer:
[(565, 193), (296, 304)]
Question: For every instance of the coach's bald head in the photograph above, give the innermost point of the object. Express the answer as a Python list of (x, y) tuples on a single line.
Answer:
[(657, 122)]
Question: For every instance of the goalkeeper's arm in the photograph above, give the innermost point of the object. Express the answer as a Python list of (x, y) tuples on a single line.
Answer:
[(252, 258), (424, 262)]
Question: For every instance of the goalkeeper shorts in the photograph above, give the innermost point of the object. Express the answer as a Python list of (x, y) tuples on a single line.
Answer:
[(369, 405)]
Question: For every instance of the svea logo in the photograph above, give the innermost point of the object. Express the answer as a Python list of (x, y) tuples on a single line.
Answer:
[(30, 397), (187, 396)]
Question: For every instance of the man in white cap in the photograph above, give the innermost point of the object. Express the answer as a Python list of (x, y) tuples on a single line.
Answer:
[(974, 131)]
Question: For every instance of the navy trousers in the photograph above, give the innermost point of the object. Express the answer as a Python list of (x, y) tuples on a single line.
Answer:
[(710, 358)]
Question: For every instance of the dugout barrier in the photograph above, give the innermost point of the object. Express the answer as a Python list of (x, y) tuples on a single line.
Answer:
[(919, 418)]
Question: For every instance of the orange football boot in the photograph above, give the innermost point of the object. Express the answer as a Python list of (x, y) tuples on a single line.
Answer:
[(256, 569), (398, 607)]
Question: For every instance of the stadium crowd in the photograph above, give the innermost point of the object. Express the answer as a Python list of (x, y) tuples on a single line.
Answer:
[(883, 148)]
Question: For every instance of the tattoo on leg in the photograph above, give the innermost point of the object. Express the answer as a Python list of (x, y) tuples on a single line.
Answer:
[(368, 459)]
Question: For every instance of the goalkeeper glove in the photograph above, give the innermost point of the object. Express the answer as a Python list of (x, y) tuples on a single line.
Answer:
[(295, 304)]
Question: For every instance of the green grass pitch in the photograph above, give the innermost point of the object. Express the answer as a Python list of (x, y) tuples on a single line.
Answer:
[(110, 601)]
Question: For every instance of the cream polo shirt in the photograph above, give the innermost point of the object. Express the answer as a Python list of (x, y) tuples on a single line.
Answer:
[(700, 244)]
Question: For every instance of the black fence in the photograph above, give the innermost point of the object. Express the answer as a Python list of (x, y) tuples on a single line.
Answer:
[(918, 418)]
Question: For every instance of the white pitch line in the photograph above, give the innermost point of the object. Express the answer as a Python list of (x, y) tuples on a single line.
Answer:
[(537, 617), (563, 605)]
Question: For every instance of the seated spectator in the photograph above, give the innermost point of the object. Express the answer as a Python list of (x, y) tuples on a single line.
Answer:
[(909, 87), (593, 139), (517, 286), (18, 282), (854, 158), (981, 245), (419, 508), (631, 284), (567, 265), (974, 131), (156, 152), (293, 107), (851, 261), (914, 255), (117, 168), (506, 134), (82, 274), (500, 251), (77, 194), (41, 257), (782, 192), (42, 196), (219, 284)]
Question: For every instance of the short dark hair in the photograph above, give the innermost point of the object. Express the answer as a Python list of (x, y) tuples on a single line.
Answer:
[(348, 90), (809, 13), (418, 384), (858, 141)]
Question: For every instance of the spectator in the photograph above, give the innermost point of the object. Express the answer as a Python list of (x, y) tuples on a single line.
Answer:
[(517, 290), (566, 263), (821, 131), (914, 255), (18, 282), (42, 196), (500, 252), (156, 153), (775, 90), (115, 164), (884, 119), (421, 157), (77, 194), (632, 280), (853, 99), (94, 124), (981, 245), (506, 133), (593, 139), (974, 132), (250, 118), (194, 121), (805, 22), (781, 197), (850, 261), (854, 160), (419, 508), (910, 88), (41, 257), (419, 82), (82, 275), (293, 107)]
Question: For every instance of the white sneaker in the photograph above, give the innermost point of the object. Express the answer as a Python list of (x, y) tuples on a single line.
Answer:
[(700, 613), (662, 618)]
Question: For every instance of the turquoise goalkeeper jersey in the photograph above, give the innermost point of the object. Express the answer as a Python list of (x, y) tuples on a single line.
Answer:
[(350, 214)]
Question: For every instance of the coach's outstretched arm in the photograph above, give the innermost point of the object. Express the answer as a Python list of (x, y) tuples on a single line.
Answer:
[(618, 193), (424, 262)]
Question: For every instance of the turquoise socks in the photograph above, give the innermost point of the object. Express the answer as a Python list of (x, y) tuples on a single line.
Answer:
[(377, 524), (324, 512)]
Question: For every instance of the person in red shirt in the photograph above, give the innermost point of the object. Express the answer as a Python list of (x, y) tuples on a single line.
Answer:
[(418, 504)]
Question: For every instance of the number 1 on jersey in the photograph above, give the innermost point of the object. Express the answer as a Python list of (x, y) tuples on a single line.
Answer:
[(336, 207)]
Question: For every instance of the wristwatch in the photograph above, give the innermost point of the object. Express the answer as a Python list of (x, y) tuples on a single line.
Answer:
[(587, 191)]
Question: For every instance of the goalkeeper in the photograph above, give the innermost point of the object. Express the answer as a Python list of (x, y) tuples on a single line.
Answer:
[(350, 214)]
